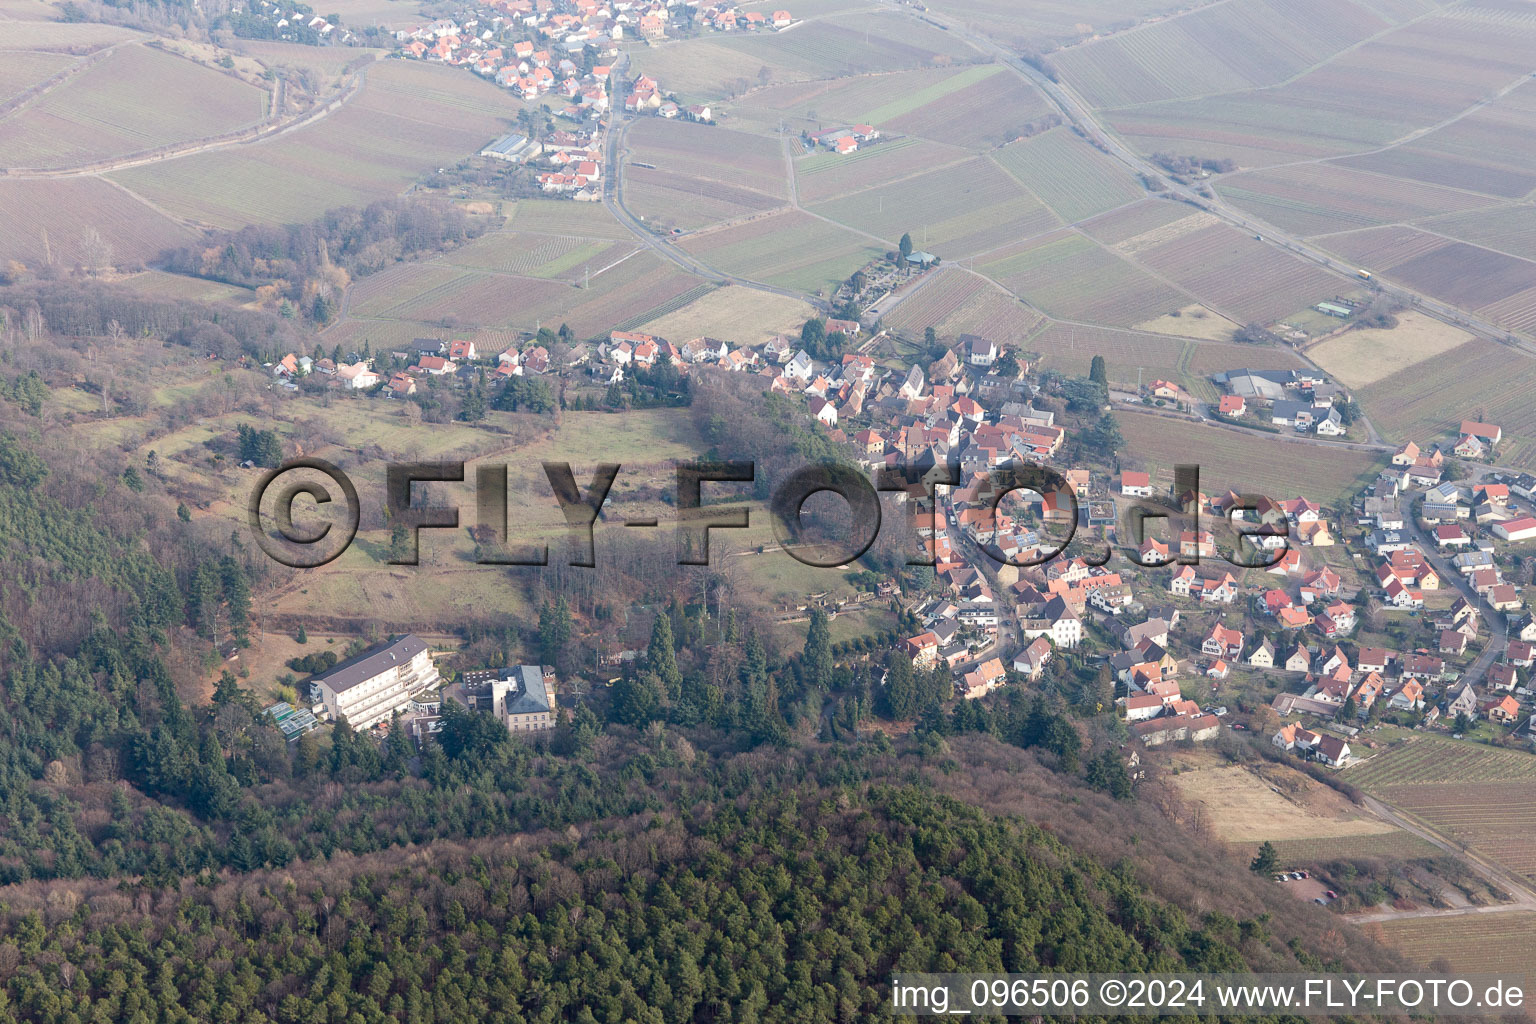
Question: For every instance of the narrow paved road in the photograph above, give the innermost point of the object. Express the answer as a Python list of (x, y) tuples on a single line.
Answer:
[(1522, 895), (619, 125)]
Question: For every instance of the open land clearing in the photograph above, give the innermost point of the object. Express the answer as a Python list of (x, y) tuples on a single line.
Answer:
[(1243, 805), (1193, 321), (1360, 357), (741, 316), (1244, 459)]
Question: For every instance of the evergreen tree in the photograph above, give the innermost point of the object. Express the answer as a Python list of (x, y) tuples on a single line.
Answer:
[(904, 247), (816, 661), (637, 699), (1267, 859), (1098, 371), (661, 656)]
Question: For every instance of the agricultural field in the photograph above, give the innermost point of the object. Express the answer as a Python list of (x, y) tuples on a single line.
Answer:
[(563, 257), (820, 176), (134, 100), (810, 105), (959, 211), (1410, 78), (1488, 151), (1071, 277), (1393, 845), (1239, 276), (48, 34), (23, 69), (666, 200), (854, 44), (1486, 943), (1220, 48), (1479, 796), (59, 216), (709, 152), (741, 316), (1246, 460), (410, 117), (1360, 357), (1311, 199), (1071, 177), (1509, 229), (788, 249), (954, 302)]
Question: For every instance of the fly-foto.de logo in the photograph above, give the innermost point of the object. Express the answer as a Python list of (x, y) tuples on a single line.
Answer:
[(335, 512)]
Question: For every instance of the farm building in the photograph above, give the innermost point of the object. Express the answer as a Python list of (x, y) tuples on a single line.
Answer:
[(514, 148), (1515, 530), (1334, 309)]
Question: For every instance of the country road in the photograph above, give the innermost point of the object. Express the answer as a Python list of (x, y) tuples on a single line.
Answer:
[(613, 198), (1522, 895)]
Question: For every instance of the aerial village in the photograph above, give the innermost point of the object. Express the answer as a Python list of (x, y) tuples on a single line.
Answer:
[(1404, 604)]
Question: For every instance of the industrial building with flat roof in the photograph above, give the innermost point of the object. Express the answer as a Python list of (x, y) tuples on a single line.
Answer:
[(515, 148)]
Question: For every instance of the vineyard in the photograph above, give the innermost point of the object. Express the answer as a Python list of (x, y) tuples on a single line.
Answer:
[(983, 115), (563, 217), (409, 118), (855, 44), (711, 152), (823, 175), (1497, 818), (134, 100), (75, 207), (1245, 460), (954, 302), (668, 200), (1510, 229), (1070, 277), (1132, 221), (1319, 198), (1070, 348), (1482, 942), (1396, 845), (1070, 176), (22, 70), (1222, 48), (1239, 276), (533, 255), (788, 249), (1434, 760), (965, 209)]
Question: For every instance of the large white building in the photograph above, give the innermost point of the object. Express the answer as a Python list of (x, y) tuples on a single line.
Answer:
[(367, 689)]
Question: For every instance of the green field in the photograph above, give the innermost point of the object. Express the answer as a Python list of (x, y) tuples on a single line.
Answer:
[(1074, 179)]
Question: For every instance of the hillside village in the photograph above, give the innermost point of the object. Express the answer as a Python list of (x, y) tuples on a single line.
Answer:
[(1184, 635)]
